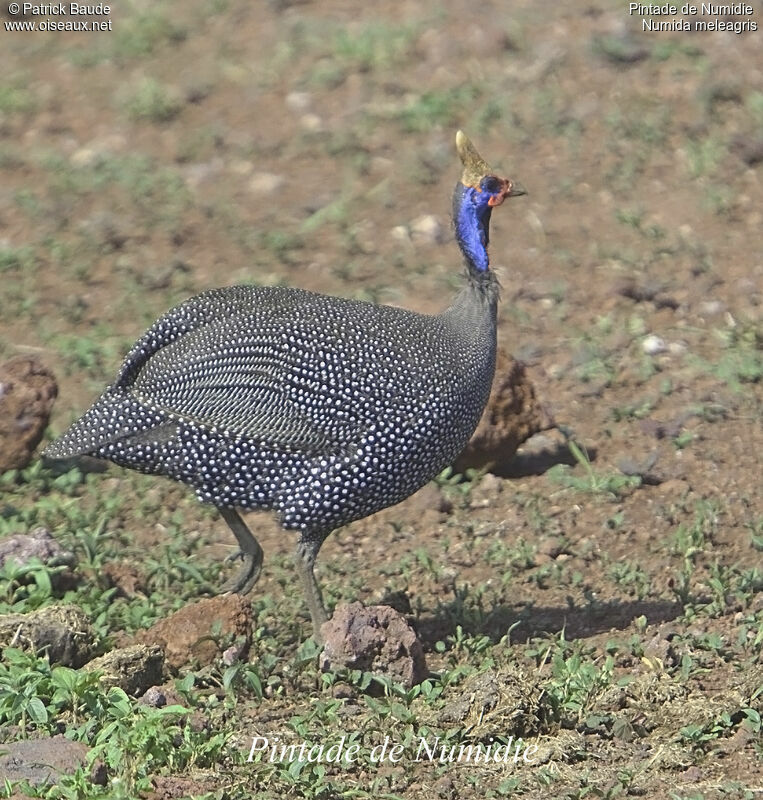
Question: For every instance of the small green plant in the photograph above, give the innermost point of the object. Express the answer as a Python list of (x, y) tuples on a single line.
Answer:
[(27, 586), (16, 99), (612, 485), (436, 107), (25, 689), (632, 576), (576, 681), (154, 102), (377, 45), (16, 259), (704, 156), (741, 361)]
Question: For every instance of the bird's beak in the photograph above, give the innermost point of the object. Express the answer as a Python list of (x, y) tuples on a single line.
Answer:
[(516, 189)]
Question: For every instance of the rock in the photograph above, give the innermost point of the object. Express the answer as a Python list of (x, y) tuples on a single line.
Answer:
[(427, 230), (134, 669), (124, 577), (83, 157), (193, 633), (311, 123), (653, 345), (486, 491), (154, 696), (429, 498), (63, 632), (234, 654), (39, 544), (41, 761), (27, 393), (400, 233), (298, 101), (710, 308), (512, 415), (265, 183), (675, 487), (643, 468), (376, 639)]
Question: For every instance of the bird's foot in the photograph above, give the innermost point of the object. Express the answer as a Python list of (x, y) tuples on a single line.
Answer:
[(250, 552), (306, 552), (244, 580)]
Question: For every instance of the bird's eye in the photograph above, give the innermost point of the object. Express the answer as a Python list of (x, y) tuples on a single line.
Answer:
[(491, 184)]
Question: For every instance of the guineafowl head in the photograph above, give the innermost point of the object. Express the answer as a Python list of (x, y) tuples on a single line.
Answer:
[(478, 192)]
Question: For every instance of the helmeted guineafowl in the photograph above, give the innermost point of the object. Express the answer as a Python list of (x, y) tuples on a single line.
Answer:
[(320, 408)]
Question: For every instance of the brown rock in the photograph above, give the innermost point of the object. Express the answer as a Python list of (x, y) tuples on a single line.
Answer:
[(124, 577), (41, 761), (194, 633), (62, 632), (40, 544), (676, 486), (376, 639), (430, 498), (27, 393), (133, 669), (512, 415)]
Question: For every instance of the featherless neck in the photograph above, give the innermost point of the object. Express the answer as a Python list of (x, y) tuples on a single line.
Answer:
[(471, 219)]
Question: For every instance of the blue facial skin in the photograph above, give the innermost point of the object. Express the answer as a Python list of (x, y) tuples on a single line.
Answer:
[(472, 216)]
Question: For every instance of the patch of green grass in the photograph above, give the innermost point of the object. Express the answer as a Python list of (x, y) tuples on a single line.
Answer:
[(284, 245), (440, 107), (133, 740), (635, 134), (456, 486), (153, 101), (756, 533), (644, 123), (618, 49), (16, 99), (96, 354), (631, 576), (753, 103), (690, 540), (638, 409), (741, 359), (375, 45), (138, 35), (16, 259), (612, 485), (667, 49), (517, 556), (704, 156), (158, 192), (144, 33), (702, 735)]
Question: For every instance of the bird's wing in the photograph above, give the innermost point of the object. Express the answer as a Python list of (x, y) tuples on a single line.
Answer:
[(239, 379)]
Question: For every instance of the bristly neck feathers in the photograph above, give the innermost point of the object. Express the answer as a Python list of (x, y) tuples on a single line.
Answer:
[(471, 220)]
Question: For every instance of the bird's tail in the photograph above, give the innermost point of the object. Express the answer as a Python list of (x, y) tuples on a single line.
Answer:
[(115, 415)]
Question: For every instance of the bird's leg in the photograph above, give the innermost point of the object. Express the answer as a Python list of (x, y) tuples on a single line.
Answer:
[(251, 552), (307, 551)]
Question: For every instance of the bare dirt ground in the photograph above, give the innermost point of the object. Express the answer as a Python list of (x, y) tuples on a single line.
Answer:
[(603, 603)]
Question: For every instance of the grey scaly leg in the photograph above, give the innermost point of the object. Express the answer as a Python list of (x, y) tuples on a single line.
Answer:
[(251, 552), (307, 552)]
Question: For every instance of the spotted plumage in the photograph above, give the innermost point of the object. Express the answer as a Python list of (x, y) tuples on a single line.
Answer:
[(320, 408)]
